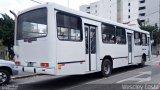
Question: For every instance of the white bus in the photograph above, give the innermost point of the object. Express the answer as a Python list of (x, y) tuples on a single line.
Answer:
[(56, 40)]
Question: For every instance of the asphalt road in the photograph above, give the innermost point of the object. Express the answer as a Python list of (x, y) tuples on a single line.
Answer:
[(125, 78)]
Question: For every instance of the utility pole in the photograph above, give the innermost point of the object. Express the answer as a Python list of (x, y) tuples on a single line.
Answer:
[(159, 16), (158, 26), (15, 27), (68, 3)]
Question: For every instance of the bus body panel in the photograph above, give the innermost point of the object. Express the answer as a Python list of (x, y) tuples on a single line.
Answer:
[(37, 52), (118, 53), (69, 57)]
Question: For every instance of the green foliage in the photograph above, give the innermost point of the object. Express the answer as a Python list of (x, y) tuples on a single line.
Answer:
[(7, 30), (155, 33), (148, 28)]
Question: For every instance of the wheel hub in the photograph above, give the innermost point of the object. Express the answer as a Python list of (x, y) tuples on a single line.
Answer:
[(3, 77), (107, 68)]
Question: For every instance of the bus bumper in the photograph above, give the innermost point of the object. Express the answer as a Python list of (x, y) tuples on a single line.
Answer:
[(14, 72), (40, 70)]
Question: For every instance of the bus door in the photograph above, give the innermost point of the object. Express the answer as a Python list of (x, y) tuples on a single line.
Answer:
[(129, 36), (90, 46)]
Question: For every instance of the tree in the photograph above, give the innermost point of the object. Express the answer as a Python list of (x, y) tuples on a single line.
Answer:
[(154, 32), (7, 32), (148, 28)]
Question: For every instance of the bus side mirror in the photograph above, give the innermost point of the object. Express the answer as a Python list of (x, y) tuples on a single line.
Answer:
[(152, 41)]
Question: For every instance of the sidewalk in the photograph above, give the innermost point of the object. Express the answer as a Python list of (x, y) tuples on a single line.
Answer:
[(155, 57)]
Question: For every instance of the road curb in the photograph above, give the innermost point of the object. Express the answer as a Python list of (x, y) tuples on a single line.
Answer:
[(25, 76)]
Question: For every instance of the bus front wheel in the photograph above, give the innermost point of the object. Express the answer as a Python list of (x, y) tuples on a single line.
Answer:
[(106, 68), (143, 60)]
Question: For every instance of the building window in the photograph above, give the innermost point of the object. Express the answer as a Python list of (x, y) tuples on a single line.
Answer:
[(88, 7), (69, 27), (143, 21), (88, 12), (129, 4), (143, 1), (142, 14), (120, 35), (129, 16), (141, 8), (137, 38), (108, 34), (129, 10), (95, 11)]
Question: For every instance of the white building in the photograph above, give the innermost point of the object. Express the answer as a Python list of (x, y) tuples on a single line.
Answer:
[(123, 11), (98, 9), (149, 12)]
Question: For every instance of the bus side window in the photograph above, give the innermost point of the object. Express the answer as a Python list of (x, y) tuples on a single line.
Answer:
[(137, 38), (144, 39), (120, 35), (69, 27), (108, 34), (62, 33)]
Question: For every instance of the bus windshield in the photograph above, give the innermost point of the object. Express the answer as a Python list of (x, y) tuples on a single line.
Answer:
[(32, 24)]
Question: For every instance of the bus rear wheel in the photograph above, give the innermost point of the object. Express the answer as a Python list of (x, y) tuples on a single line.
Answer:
[(106, 68)]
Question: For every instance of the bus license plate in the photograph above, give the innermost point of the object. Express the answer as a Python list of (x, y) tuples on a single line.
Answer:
[(30, 64)]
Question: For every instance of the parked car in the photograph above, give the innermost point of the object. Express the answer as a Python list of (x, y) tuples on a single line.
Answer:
[(6, 70)]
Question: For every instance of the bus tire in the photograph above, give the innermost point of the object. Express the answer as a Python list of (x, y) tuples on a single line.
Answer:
[(143, 60), (106, 68)]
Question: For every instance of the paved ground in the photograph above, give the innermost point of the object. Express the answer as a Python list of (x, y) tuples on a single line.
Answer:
[(126, 78)]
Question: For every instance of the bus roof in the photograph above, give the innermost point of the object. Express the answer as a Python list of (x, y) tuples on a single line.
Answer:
[(82, 14)]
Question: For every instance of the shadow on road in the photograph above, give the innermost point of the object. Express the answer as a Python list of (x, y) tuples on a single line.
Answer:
[(126, 68), (70, 81), (60, 83)]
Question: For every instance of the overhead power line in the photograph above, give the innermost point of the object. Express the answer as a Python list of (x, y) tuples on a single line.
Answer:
[(36, 1)]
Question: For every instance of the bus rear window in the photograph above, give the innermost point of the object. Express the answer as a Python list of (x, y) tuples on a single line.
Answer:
[(32, 24)]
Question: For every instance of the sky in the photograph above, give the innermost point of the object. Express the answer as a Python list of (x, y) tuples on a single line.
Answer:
[(18, 5)]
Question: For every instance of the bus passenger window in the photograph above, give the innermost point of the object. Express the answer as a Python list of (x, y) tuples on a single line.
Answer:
[(108, 34), (137, 38), (144, 39), (69, 27), (120, 35), (75, 34), (62, 33)]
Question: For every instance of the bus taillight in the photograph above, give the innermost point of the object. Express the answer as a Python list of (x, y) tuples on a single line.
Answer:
[(45, 65), (60, 66)]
